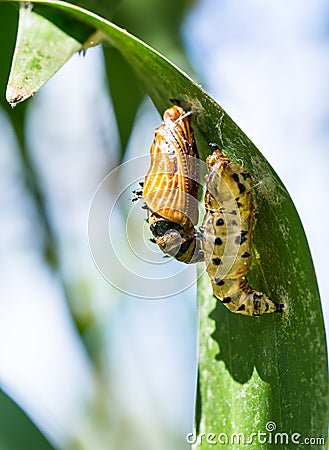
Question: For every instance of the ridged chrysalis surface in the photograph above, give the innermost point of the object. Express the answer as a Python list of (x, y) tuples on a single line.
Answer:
[(171, 187)]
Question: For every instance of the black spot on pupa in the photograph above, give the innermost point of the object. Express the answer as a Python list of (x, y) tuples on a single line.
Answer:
[(217, 261), (219, 282), (241, 187), (233, 212), (226, 300), (239, 204), (235, 177), (245, 255), (218, 241), (242, 238), (241, 308), (219, 222)]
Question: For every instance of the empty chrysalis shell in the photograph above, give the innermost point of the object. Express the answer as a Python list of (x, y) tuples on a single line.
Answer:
[(171, 187)]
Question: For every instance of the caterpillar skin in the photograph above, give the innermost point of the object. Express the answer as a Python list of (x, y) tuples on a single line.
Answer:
[(171, 187), (227, 231)]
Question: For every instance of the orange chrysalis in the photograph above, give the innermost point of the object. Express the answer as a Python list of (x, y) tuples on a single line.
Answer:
[(171, 187)]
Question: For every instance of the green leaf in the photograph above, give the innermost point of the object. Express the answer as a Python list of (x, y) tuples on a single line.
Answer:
[(164, 19), (156, 23), (160, 29), (8, 29), (41, 49), (121, 75), (104, 8), (17, 432), (253, 370)]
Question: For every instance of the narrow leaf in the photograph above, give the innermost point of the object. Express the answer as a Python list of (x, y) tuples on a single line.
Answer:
[(17, 431), (41, 50), (125, 106), (253, 371), (8, 29)]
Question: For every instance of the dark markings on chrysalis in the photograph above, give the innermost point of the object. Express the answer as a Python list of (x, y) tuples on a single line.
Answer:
[(229, 188), (171, 187)]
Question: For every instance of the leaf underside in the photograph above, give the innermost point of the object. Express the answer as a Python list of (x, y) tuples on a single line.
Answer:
[(252, 370)]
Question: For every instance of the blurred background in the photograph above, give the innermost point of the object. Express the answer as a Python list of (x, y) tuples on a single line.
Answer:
[(93, 366)]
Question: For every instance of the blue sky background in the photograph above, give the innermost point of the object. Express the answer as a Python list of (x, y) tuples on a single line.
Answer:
[(267, 65)]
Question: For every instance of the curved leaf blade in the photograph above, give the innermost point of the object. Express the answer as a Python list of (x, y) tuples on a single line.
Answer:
[(41, 49), (120, 73), (252, 370), (17, 431)]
